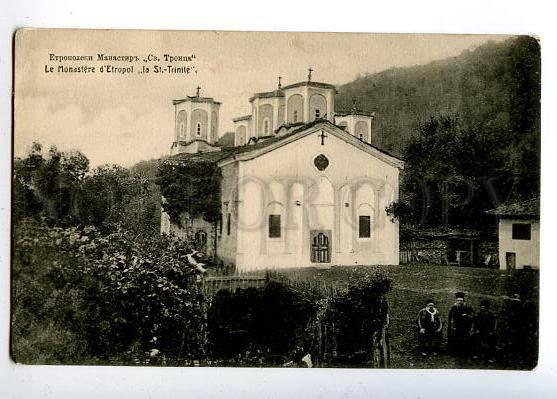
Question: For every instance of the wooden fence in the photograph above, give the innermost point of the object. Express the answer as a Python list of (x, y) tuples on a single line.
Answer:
[(212, 285)]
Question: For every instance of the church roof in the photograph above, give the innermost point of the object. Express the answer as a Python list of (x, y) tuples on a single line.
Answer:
[(268, 94), (311, 84), (259, 148), (242, 118), (355, 112), (262, 146), (195, 99), (212, 156)]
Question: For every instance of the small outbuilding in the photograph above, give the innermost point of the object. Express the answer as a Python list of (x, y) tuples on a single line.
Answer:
[(451, 246), (519, 234)]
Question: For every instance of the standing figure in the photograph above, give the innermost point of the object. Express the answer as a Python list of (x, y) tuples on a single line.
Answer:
[(459, 329), (430, 329), (518, 332), (484, 331)]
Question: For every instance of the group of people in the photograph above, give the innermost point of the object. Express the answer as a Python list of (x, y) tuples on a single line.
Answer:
[(467, 332)]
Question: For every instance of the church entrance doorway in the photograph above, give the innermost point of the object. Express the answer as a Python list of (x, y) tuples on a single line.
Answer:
[(201, 241), (320, 246)]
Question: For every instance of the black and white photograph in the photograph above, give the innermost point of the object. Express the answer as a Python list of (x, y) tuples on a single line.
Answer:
[(275, 199)]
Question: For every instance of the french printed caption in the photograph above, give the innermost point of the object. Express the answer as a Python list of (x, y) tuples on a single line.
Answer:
[(111, 64)]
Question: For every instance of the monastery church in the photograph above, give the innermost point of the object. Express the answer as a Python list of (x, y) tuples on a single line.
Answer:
[(303, 184)]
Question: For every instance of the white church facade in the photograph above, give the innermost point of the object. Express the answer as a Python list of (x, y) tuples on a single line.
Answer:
[(303, 185)]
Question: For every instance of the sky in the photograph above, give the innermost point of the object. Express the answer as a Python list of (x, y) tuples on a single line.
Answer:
[(126, 118)]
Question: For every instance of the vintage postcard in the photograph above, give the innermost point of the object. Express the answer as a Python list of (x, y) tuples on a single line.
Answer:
[(265, 199)]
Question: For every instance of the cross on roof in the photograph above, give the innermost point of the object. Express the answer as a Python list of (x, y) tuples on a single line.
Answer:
[(279, 84), (322, 135), (198, 89), (309, 74)]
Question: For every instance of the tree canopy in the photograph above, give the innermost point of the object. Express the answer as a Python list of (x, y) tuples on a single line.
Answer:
[(192, 187)]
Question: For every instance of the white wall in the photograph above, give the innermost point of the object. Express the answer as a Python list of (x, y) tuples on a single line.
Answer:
[(352, 120), (349, 168), (527, 251)]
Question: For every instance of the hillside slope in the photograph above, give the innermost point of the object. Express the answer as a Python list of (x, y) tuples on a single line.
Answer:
[(495, 86)]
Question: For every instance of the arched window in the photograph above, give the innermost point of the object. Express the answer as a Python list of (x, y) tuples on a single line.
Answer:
[(274, 226), (199, 123), (295, 109), (181, 120), (241, 135), (364, 226), (365, 201), (317, 106), (266, 126), (201, 239)]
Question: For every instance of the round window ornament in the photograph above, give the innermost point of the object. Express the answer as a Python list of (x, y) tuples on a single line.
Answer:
[(321, 162)]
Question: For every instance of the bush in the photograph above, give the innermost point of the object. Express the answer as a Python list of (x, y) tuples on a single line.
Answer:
[(357, 313), (269, 322), (277, 323), (104, 295)]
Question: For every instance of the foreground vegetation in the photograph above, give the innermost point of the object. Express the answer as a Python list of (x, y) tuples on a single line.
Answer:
[(412, 285), (81, 296)]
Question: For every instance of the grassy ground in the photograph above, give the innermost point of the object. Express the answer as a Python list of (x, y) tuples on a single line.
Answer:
[(414, 284)]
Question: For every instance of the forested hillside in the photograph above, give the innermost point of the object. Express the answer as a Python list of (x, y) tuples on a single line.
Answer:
[(495, 87)]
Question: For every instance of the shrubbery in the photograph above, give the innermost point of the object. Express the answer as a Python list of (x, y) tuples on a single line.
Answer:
[(79, 294), (357, 314), (281, 323), (192, 187), (267, 323)]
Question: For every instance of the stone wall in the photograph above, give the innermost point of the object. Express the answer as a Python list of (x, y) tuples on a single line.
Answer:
[(436, 251)]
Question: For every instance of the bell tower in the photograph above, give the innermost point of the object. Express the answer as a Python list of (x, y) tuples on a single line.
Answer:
[(196, 124), (356, 122)]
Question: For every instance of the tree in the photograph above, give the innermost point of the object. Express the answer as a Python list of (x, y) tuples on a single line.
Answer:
[(112, 196), (60, 187), (95, 296), (192, 187), (452, 175), (49, 185)]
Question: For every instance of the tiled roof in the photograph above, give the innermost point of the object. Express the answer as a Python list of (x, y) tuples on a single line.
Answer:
[(228, 152), (413, 232), (528, 208), (268, 94), (241, 118), (311, 84), (212, 156), (354, 112), (195, 99)]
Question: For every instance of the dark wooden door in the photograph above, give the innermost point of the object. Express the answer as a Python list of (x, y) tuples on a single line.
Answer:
[(201, 240), (510, 259), (321, 246)]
